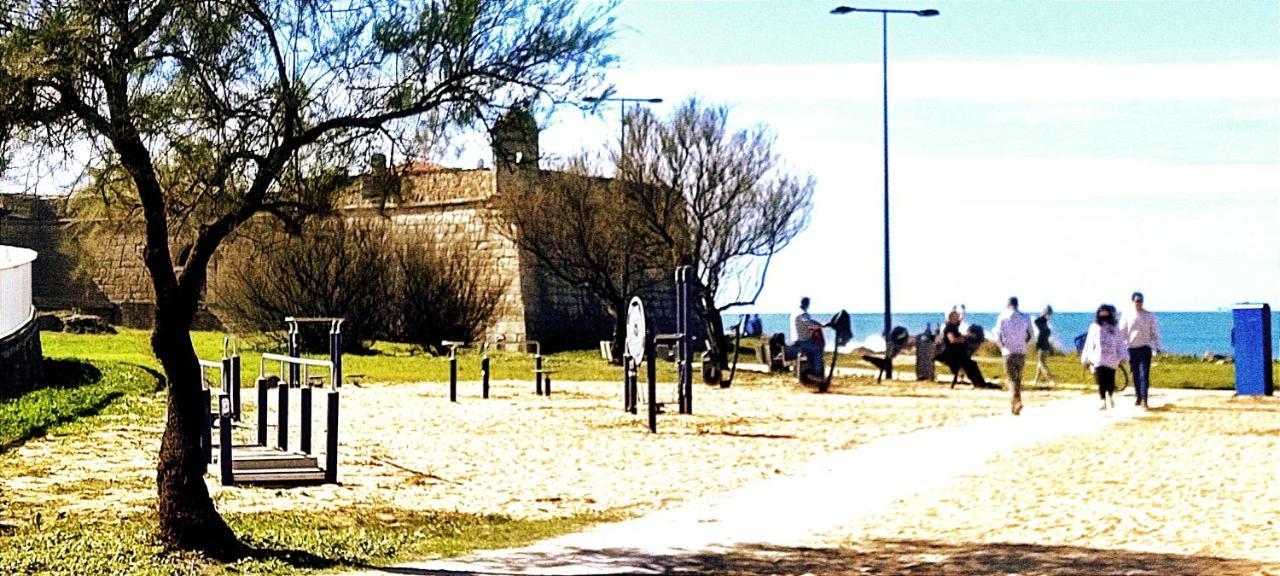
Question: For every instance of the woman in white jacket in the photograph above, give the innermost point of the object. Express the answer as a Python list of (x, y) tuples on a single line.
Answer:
[(1105, 348)]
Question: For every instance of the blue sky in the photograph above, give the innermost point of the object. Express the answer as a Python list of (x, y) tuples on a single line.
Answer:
[(1065, 152)]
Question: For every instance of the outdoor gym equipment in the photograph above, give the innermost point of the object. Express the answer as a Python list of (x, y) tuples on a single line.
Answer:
[(640, 348), (542, 376), (261, 463), (228, 368)]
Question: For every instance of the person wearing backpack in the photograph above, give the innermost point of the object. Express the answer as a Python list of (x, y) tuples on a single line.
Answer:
[(1013, 333), (1105, 348)]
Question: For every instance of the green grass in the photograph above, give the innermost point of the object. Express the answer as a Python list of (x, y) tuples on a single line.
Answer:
[(73, 390), (388, 363), (1166, 372), (115, 375), (294, 542)]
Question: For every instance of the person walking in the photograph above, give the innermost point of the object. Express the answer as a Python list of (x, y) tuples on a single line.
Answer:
[(1104, 349), (1013, 333), (1142, 334), (1044, 347), (808, 337)]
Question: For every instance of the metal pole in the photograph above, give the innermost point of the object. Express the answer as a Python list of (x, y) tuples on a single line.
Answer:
[(206, 436), (884, 58), (335, 355), (484, 375), (628, 387), (331, 440), (304, 418), (262, 411), (537, 379), (282, 425), (225, 461), (235, 386), (652, 370), (453, 374), (295, 351)]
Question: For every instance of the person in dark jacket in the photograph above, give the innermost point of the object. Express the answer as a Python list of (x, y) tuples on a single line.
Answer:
[(1044, 347), (955, 351)]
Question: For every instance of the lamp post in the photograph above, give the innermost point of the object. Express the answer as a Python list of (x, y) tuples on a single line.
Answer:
[(884, 59), (622, 149)]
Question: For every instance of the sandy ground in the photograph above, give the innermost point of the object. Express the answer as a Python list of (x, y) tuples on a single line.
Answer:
[(407, 446), (1189, 489), (528, 456)]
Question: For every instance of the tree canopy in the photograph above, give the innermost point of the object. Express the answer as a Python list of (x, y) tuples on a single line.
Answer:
[(720, 200), (258, 106)]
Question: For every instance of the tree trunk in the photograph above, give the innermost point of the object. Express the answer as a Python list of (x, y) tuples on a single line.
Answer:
[(717, 344), (188, 519)]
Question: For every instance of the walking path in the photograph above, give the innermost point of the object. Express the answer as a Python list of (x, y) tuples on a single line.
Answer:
[(832, 493)]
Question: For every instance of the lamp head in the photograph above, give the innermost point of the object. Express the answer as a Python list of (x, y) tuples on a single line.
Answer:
[(927, 13), (842, 10)]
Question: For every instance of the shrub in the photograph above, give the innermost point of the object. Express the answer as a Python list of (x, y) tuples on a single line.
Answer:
[(333, 268), (441, 295), (410, 290)]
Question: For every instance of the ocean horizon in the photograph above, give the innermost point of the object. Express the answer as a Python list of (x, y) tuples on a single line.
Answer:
[(1183, 333)]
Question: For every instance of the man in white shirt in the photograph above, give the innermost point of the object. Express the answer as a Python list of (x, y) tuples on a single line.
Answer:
[(1143, 333), (1012, 333)]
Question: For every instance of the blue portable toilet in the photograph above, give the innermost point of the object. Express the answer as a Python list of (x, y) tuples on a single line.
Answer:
[(1251, 337)]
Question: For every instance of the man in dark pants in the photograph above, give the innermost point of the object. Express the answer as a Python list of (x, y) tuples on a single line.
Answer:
[(1143, 333)]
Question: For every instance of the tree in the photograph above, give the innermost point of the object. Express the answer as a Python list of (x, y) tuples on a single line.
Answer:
[(720, 201), (248, 96), (579, 228)]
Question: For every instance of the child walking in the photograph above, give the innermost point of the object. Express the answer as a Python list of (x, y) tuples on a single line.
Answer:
[(1105, 347)]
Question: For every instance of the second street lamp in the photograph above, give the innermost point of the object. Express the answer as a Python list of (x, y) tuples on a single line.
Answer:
[(884, 58)]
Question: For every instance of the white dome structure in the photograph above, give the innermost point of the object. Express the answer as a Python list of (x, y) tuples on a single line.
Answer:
[(20, 353)]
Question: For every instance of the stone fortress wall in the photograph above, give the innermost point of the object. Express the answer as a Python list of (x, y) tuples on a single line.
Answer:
[(449, 208)]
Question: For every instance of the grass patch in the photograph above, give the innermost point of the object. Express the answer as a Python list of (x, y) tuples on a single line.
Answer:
[(386, 363), (278, 542), (71, 391)]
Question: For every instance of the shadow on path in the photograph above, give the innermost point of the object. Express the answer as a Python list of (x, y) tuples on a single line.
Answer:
[(874, 557)]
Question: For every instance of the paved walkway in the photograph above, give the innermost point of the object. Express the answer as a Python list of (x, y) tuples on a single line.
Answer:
[(804, 509)]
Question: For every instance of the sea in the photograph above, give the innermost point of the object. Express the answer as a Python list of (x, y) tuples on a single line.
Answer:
[(1186, 333)]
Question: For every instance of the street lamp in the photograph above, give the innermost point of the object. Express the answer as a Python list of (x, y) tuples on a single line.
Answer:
[(622, 150), (884, 58)]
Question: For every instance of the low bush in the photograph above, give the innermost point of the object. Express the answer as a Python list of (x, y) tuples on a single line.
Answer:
[(333, 268), (441, 295)]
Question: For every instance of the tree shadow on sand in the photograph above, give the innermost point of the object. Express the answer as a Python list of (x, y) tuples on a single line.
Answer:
[(873, 557)]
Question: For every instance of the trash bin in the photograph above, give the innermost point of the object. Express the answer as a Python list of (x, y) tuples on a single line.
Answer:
[(1251, 338), (924, 357)]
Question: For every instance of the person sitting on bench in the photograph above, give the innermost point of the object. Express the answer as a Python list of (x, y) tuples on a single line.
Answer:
[(808, 337), (956, 353)]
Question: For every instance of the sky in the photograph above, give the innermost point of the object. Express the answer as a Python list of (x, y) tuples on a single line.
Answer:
[(1066, 152)]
